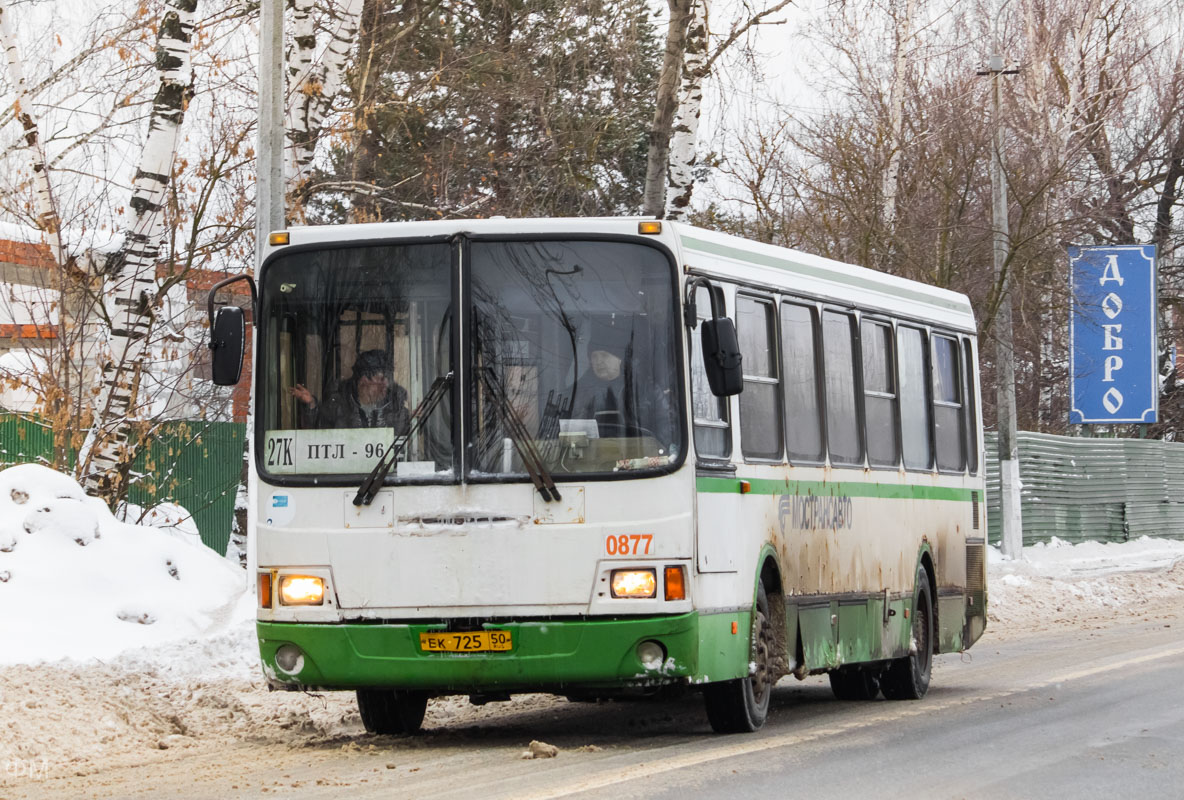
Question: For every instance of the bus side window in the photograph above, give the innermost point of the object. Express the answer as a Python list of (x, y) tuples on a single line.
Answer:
[(971, 423), (842, 415), (948, 406), (713, 432), (914, 398), (760, 402), (803, 404), (879, 394)]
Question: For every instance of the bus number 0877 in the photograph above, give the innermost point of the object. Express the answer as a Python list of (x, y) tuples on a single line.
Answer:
[(629, 544)]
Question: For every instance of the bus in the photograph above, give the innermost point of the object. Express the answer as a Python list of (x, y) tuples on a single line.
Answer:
[(601, 457)]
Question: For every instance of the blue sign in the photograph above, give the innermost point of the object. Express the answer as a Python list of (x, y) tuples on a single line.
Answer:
[(1112, 334)]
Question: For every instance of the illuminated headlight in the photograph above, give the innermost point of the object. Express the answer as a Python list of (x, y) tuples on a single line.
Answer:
[(302, 590), (634, 583)]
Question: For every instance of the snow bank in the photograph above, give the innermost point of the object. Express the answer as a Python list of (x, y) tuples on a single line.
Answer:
[(1063, 560), (77, 583), (1081, 585)]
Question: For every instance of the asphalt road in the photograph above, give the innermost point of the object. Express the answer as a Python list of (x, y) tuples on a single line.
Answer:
[(1078, 713)]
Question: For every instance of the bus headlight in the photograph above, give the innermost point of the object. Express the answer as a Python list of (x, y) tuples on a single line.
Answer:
[(302, 590), (651, 654), (637, 583), (289, 659)]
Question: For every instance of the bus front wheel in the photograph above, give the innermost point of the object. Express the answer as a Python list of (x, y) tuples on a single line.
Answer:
[(907, 678), (741, 705), (391, 711)]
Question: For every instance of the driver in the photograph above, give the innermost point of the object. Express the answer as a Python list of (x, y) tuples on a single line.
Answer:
[(369, 399)]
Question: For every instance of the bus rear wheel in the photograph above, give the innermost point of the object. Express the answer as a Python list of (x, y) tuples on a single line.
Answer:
[(392, 711), (741, 705), (908, 678)]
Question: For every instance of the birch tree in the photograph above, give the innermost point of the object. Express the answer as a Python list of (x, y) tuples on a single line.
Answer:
[(669, 82), (685, 126), (131, 272), (70, 289), (686, 63), (47, 214), (313, 86)]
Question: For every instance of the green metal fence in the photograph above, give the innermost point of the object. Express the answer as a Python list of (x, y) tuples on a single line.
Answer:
[(1080, 489), (195, 464)]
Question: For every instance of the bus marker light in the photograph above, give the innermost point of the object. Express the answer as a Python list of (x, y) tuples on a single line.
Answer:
[(745, 487), (635, 583), (265, 590), (651, 654), (289, 658), (675, 585), (650, 226), (278, 238), (735, 628), (302, 590)]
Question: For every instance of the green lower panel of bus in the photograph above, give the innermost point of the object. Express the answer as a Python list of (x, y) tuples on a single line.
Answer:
[(544, 655)]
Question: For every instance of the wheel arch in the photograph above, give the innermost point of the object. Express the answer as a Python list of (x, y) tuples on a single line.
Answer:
[(769, 574), (926, 562)]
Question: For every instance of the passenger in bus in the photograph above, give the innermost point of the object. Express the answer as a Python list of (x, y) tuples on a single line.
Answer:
[(603, 392), (369, 399)]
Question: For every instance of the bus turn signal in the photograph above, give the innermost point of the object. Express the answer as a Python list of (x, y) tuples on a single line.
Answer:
[(265, 590), (676, 588)]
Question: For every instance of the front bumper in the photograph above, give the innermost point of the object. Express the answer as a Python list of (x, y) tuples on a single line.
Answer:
[(550, 655)]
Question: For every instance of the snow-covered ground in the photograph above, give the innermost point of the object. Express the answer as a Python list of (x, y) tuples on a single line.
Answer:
[(1058, 583), (77, 583), (117, 641)]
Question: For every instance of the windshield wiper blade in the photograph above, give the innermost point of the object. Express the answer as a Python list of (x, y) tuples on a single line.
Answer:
[(374, 481), (519, 435)]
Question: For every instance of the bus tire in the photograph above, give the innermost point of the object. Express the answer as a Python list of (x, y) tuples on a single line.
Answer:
[(853, 683), (392, 711), (908, 678), (741, 705)]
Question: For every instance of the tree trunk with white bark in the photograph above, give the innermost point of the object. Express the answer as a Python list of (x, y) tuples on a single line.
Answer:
[(313, 86), (69, 283), (47, 213), (681, 182), (669, 79), (129, 294)]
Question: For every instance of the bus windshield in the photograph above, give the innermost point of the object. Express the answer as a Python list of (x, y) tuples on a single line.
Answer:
[(574, 353), (571, 360)]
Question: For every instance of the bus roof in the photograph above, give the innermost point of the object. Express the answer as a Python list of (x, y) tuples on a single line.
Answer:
[(703, 251)]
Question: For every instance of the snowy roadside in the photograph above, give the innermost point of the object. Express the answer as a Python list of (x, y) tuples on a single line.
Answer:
[(1084, 585)]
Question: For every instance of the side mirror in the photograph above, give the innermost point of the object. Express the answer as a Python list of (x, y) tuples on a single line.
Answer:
[(721, 357), (227, 337)]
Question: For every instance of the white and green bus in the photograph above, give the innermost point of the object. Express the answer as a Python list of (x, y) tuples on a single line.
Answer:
[(604, 456)]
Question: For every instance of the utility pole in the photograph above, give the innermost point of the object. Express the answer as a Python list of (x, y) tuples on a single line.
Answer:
[(1011, 520), (269, 185), (269, 197)]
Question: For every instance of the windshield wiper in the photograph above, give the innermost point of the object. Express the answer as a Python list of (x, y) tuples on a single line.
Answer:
[(374, 481), (519, 435)]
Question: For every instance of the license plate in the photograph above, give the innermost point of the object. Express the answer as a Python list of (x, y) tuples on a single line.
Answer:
[(472, 642)]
